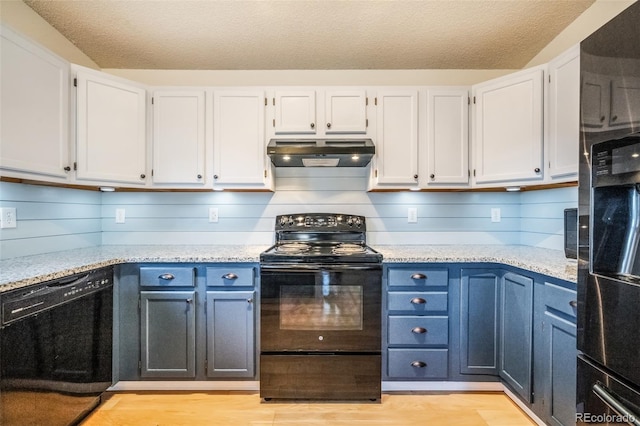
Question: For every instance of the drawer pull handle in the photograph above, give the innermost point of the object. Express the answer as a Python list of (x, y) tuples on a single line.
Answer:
[(166, 277), (418, 277), (418, 301), (418, 330), (573, 303), (418, 364), (230, 276)]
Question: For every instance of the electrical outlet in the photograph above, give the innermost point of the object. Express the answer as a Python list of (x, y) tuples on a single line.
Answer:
[(120, 215), (213, 214), (412, 215), (8, 217), (495, 215)]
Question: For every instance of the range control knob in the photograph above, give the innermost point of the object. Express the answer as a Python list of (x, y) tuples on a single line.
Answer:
[(358, 222), (350, 221), (283, 221), (290, 221)]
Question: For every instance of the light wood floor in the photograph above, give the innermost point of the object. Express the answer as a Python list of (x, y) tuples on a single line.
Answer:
[(242, 408)]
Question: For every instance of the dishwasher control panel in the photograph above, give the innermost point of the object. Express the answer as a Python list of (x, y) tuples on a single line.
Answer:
[(31, 300)]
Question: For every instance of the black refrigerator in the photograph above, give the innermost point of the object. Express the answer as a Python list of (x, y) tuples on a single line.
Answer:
[(608, 390)]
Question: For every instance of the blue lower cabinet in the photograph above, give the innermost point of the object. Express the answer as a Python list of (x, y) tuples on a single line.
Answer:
[(418, 363), (416, 319), (230, 333), (516, 333), (479, 321), (558, 353), (168, 334)]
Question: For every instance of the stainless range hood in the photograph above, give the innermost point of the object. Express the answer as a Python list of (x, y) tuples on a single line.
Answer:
[(320, 152)]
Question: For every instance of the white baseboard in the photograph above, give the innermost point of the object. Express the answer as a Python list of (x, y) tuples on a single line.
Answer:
[(523, 407), (178, 385), (442, 386)]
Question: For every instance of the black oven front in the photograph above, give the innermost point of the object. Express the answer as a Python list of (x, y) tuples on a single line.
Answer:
[(320, 331)]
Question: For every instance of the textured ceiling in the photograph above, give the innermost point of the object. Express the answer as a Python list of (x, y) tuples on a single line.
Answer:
[(310, 34)]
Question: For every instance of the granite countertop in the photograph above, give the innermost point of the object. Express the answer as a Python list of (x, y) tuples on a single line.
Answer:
[(23, 271)]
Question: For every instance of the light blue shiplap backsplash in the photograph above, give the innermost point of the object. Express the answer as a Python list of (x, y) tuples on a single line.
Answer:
[(51, 219)]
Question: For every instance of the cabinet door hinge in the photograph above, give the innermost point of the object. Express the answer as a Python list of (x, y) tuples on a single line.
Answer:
[(375, 173), (549, 78), (151, 172), (274, 101), (366, 122), (468, 173), (75, 82), (152, 100), (474, 172), (375, 101), (474, 100), (265, 173), (468, 100), (274, 122), (139, 366), (266, 102), (366, 101)]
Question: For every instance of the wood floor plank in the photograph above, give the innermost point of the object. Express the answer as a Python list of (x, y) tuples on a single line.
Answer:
[(246, 408)]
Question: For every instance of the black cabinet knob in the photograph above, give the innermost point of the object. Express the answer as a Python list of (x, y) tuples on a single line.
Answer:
[(215, 176), (418, 364), (432, 176), (142, 176), (67, 169), (328, 125), (199, 176), (313, 125), (537, 170)]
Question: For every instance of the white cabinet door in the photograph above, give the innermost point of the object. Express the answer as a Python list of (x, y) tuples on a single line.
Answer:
[(346, 111), (111, 125), (508, 128), (564, 115), (295, 111), (448, 136), (34, 121), (179, 137), (239, 142), (397, 138)]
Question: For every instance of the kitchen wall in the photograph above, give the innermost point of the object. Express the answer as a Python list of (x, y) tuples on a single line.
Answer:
[(52, 219), (49, 219)]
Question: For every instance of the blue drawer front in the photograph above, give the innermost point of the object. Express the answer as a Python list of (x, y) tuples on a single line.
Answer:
[(417, 301), (230, 276), (178, 276), (418, 363), (417, 277), (560, 298), (416, 330)]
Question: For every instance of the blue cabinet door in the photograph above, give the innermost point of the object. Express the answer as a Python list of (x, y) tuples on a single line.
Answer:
[(167, 333), (479, 317), (230, 333), (516, 328), (561, 380)]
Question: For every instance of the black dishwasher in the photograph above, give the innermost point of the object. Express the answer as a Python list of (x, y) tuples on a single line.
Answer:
[(56, 349)]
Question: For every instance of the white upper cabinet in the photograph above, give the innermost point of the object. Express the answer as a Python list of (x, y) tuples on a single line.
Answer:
[(239, 146), (34, 122), (295, 112), (111, 129), (179, 138), (563, 116), (345, 111), (396, 161), (447, 131), (508, 133)]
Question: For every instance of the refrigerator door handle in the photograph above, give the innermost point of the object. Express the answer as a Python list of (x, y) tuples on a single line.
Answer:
[(603, 393)]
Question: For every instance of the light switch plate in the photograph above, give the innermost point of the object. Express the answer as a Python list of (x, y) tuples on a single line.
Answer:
[(495, 215), (213, 214), (8, 217), (412, 215), (120, 216)]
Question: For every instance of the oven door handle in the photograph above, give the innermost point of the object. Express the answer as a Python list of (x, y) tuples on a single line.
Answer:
[(612, 402)]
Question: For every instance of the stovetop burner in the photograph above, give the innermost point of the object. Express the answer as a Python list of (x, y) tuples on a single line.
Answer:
[(320, 238)]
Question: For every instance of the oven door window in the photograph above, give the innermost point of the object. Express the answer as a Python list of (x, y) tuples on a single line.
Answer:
[(321, 307)]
